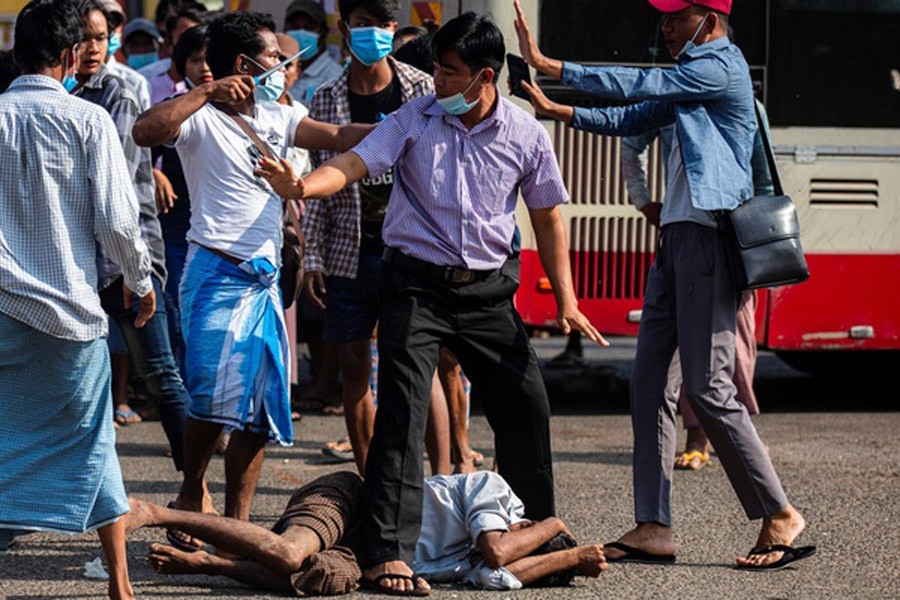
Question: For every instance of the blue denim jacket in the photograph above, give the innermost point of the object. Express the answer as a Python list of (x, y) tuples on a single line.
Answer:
[(710, 96)]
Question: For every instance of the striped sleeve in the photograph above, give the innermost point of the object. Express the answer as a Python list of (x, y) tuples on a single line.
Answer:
[(542, 186), (116, 210), (382, 147)]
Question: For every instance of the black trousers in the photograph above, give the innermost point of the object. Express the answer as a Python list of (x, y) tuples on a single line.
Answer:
[(478, 322)]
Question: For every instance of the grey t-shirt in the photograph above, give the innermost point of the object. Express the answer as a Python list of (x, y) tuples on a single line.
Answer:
[(677, 206)]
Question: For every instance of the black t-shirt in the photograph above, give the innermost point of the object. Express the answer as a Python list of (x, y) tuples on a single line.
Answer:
[(374, 193)]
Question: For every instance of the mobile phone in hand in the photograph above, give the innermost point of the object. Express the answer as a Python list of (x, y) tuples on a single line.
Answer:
[(518, 72)]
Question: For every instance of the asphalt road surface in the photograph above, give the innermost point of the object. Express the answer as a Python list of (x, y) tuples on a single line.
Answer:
[(833, 441)]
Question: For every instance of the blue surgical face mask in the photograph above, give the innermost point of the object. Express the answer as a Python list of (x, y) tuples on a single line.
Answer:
[(370, 44), (690, 45), (456, 104), (139, 61), (115, 42), (272, 89), (307, 40), (69, 82)]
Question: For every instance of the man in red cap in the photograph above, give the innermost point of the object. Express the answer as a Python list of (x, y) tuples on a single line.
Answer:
[(690, 301)]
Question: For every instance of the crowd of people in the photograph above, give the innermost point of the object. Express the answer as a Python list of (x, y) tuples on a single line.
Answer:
[(156, 198)]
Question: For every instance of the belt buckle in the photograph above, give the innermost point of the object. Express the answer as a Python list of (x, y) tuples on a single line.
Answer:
[(458, 275)]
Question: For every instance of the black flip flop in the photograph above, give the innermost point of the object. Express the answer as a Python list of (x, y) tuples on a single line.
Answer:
[(374, 585), (178, 542), (636, 555), (790, 555)]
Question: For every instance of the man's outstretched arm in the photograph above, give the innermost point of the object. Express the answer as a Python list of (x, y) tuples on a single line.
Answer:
[(550, 235), (324, 182)]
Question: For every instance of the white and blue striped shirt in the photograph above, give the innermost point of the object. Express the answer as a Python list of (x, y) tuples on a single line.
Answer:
[(64, 191)]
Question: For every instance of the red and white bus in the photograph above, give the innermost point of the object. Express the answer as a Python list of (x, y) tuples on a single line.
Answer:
[(829, 74)]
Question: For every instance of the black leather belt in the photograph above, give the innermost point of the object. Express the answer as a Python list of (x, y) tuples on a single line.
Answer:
[(233, 260), (444, 274)]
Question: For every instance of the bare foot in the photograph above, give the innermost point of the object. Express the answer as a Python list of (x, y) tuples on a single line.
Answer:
[(591, 560), (206, 505), (397, 567), (341, 445), (140, 514), (185, 503), (171, 561), (781, 528), (649, 537), (187, 500), (696, 451), (120, 591)]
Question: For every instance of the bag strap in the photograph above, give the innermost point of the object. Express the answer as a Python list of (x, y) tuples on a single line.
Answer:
[(267, 151), (770, 158)]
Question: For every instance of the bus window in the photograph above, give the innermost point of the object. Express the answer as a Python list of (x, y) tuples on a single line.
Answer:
[(620, 31), (627, 32), (835, 63)]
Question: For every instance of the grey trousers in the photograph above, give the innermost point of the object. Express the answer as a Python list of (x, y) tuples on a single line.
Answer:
[(690, 304)]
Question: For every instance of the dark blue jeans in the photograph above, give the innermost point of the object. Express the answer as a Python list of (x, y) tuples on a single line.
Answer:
[(176, 254), (151, 356)]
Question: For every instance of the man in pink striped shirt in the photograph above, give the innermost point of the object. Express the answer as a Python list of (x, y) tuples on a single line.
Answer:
[(460, 157)]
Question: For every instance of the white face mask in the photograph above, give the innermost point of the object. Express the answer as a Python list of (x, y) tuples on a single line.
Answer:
[(690, 43)]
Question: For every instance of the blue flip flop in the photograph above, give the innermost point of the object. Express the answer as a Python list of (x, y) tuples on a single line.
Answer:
[(126, 417)]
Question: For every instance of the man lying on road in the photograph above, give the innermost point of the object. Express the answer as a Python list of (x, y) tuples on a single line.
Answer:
[(473, 532)]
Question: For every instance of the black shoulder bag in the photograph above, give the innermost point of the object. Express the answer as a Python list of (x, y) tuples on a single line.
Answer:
[(762, 235), (292, 245)]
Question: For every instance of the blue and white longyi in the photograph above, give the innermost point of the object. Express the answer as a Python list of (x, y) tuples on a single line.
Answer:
[(236, 344)]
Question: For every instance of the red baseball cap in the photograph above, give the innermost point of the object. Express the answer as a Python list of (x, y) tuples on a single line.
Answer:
[(672, 6)]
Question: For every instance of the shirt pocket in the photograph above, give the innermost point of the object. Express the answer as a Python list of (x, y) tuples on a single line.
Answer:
[(496, 185)]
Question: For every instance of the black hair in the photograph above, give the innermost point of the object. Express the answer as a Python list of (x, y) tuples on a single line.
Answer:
[(191, 41), (417, 53), (44, 28), (89, 6), (191, 10), (115, 19), (561, 541), (9, 70), (476, 38), (413, 30), (233, 34), (163, 10), (383, 10)]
